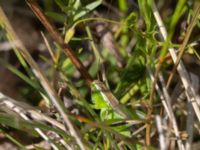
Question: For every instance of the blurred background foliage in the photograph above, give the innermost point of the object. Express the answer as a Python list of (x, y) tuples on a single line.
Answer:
[(116, 40)]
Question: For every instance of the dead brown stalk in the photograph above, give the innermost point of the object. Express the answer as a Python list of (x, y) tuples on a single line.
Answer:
[(183, 45), (58, 38)]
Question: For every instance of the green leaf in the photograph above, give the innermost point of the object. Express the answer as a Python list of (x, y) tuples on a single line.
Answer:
[(97, 99), (123, 5), (12, 139), (124, 130), (17, 123), (94, 68), (68, 67), (14, 70), (145, 10), (76, 4), (180, 9), (27, 126), (84, 10), (69, 34), (131, 20), (132, 73), (56, 16), (109, 114), (61, 4)]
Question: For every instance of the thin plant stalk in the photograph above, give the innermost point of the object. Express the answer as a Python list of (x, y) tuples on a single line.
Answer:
[(44, 82), (190, 91), (172, 116), (58, 38), (165, 99), (190, 116), (160, 133), (183, 45), (8, 103), (68, 51)]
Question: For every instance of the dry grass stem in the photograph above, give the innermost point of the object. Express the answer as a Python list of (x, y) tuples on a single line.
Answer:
[(172, 116), (10, 105), (190, 116), (58, 38), (160, 133), (44, 82), (26, 112), (190, 91), (68, 51), (165, 99), (48, 47), (184, 44)]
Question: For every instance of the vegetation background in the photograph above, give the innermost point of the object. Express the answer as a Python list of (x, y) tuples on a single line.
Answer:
[(99, 74)]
